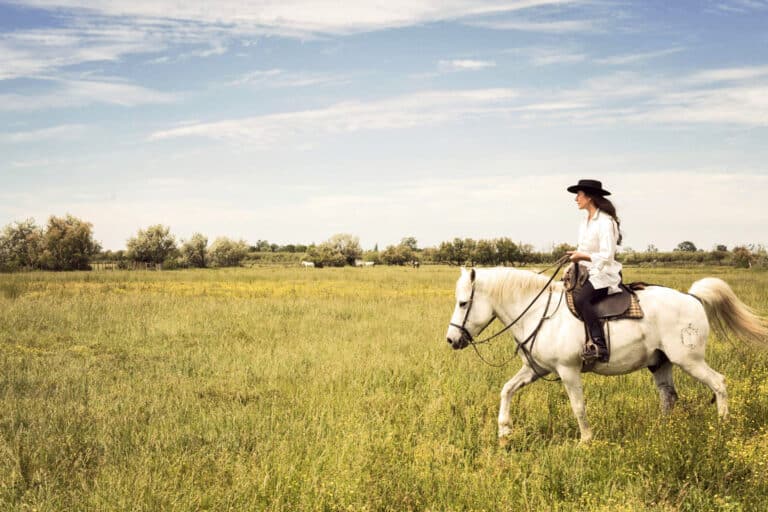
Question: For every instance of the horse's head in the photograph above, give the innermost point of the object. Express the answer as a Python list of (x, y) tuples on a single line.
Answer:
[(472, 314)]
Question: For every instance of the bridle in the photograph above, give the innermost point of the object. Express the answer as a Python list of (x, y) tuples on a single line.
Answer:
[(463, 327), (467, 336)]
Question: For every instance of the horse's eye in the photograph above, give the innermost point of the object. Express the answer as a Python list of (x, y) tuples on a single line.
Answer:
[(462, 304)]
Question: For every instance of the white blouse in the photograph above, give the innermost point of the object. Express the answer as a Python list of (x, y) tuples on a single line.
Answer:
[(598, 237)]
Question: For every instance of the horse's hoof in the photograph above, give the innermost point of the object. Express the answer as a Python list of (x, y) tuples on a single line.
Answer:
[(505, 442)]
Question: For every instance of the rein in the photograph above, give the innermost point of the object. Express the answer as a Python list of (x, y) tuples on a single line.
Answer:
[(532, 337)]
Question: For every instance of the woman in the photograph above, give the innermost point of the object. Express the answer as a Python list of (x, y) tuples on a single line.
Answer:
[(599, 236)]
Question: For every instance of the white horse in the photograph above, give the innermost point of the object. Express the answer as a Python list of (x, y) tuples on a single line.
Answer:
[(674, 330)]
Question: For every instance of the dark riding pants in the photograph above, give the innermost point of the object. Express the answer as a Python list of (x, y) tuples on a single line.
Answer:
[(585, 302)]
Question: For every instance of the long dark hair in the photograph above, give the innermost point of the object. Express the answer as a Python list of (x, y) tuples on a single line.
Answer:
[(606, 205)]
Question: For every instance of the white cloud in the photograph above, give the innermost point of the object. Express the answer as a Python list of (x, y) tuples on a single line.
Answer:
[(742, 6), (551, 26), (632, 58), (465, 65), (279, 78), (639, 98), (300, 17), (38, 52), (731, 105), (729, 74), (625, 97), (419, 109), (61, 132), (544, 56), (76, 93)]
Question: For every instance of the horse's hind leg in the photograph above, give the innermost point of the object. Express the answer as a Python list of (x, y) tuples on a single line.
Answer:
[(525, 376), (701, 371), (662, 376)]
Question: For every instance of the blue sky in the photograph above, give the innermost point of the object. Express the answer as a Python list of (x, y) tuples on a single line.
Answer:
[(293, 120)]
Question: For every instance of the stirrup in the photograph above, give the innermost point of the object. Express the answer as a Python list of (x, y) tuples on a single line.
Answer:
[(592, 351)]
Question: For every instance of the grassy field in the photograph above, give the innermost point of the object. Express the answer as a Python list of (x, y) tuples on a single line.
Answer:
[(333, 389)]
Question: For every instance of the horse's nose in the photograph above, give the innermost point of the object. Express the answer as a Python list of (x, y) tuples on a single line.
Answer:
[(448, 340)]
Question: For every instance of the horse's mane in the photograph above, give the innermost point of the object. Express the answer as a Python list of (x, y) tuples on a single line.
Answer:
[(503, 283)]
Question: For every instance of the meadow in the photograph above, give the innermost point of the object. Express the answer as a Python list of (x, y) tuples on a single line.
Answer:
[(286, 389)]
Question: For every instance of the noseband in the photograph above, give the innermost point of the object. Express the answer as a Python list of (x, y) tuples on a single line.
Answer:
[(463, 327)]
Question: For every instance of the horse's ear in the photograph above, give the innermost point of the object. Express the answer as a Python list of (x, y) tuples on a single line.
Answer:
[(472, 275), (463, 270)]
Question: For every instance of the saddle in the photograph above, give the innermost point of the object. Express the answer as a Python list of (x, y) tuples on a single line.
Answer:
[(612, 307)]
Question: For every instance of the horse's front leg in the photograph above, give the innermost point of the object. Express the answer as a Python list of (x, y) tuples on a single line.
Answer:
[(571, 378), (526, 375)]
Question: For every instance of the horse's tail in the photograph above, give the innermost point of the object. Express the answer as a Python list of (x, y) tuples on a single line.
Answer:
[(725, 311)]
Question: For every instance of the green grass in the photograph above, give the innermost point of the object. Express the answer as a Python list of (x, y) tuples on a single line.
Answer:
[(333, 389)]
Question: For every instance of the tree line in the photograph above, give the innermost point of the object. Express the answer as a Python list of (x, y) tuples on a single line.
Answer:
[(67, 243)]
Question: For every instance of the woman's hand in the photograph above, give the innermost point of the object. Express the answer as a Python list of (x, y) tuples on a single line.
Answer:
[(576, 256)]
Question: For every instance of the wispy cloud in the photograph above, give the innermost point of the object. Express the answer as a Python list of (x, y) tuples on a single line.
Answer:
[(632, 58), (465, 65), (548, 55), (616, 98), (61, 132), (110, 30), (33, 53), (419, 109), (546, 26), (278, 78), (741, 6), (76, 93), (729, 74), (689, 99), (299, 18)]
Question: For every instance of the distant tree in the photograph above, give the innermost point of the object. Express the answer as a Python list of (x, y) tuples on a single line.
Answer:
[(559, 251), (194, 251), (526, 253), (508, 251), (410, 242), (68, 244), (485, 253), (263, 246), (396, 255), (686, 246), (742, 257), (374, 256), (225, 252), (347, 245), (153, 245), (20, 245), (651, 248), (445, 253), (325, 255), (721, 247)]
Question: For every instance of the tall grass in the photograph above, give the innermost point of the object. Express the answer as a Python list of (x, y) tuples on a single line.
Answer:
[(333, 389)]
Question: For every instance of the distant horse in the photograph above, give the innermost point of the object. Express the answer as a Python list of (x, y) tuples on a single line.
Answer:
[(308, 264), (674, 330)]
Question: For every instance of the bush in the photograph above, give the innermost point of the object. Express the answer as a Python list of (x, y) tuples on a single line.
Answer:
[(225, 252), (153, 245), (68, 244)]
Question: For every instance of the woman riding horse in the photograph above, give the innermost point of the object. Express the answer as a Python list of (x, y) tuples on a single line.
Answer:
[(599, 236)]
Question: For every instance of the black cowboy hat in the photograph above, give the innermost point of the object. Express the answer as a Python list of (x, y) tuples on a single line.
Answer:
[(589, 186)]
